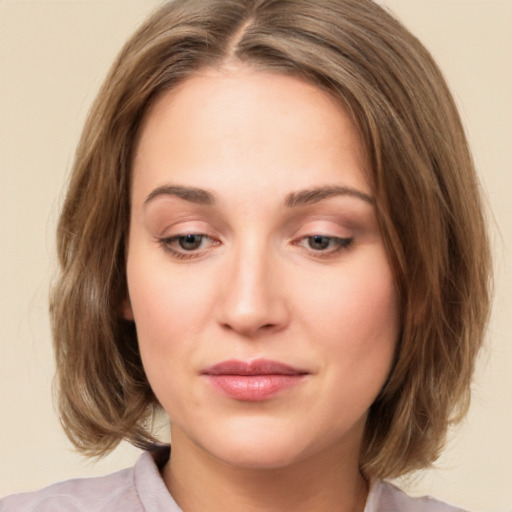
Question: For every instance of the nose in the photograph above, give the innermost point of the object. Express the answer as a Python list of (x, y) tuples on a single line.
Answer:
[(252, 299)]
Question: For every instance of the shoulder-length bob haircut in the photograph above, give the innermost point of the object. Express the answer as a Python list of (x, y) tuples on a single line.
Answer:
[(427, 201)]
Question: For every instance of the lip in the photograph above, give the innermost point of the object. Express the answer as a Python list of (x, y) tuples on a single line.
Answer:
[(253, 381)]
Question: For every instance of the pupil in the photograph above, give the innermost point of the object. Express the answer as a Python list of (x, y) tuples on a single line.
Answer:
[(319, 242), (189, 242)]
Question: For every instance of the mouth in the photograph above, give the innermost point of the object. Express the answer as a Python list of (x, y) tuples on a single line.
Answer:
[(253, 381)]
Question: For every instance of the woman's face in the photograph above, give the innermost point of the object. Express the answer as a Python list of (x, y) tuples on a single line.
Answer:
[(264, 302)]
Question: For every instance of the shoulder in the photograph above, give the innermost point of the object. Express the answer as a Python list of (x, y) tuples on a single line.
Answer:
[(136, 489), (114, 492), (385, 497)]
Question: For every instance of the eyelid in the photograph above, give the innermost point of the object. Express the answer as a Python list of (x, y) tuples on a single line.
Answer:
[(327, 226), (184, 226)]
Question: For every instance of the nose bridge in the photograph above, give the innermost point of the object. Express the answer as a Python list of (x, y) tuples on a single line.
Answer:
[(252, 300)]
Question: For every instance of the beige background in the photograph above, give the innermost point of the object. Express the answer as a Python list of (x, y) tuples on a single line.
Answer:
[(53, 56)]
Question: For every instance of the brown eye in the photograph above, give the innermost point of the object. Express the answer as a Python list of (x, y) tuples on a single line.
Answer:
[(324, 245), (188, 246), (319, 242), (190, 242), (322, 242)]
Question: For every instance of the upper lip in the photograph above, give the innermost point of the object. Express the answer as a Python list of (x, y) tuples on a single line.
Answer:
[(249, 368)]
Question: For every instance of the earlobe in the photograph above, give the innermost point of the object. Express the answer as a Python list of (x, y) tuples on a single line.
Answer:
[(126, 310)]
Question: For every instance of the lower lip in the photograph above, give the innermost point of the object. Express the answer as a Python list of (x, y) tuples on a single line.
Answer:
[(253, 388)]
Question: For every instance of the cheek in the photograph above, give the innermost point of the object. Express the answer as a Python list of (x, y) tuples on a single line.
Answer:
[(165, 318), (372, 306), (164, 313), (164, 306), (354, 316), (373, 317), (358, 301), (360, 344)]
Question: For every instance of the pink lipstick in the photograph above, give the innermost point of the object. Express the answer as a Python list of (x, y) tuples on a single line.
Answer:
[(253, 381)]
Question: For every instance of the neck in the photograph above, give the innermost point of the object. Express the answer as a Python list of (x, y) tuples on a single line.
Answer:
[(199, 482)]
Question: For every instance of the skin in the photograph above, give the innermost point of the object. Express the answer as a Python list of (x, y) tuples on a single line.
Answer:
[(257, 285)]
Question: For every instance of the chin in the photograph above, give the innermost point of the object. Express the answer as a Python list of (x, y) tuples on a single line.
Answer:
[(259, 456), (260, 448)]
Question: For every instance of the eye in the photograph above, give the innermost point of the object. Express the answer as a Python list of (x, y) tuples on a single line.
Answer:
[(326, 245), (190, 242), (189, 245), (319, 242)]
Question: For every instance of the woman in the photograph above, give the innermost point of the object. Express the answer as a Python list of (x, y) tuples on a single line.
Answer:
[(273, 213)]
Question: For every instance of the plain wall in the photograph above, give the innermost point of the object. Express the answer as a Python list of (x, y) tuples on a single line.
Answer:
[(53, 56)]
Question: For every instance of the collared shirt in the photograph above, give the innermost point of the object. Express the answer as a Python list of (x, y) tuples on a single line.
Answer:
[(142, 489)]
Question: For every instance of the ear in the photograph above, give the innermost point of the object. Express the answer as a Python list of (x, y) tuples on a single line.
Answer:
[(126, 310)]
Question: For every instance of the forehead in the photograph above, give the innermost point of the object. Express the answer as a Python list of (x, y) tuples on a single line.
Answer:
[(241, 122)]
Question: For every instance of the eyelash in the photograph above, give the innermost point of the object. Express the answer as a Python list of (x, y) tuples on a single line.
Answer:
[(340, 244), (183, 254)]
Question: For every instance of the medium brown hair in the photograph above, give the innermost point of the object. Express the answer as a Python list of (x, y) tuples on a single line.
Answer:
[(426, 193)]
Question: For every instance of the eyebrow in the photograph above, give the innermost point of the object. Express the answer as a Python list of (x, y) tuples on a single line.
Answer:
[(315, 195), (292, 200), (191, 194)]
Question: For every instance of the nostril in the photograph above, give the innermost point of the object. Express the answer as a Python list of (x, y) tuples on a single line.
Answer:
[(249, 329)]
